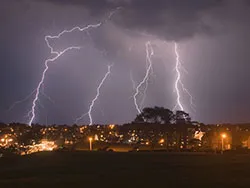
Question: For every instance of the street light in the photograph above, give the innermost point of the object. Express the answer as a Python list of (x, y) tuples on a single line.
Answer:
[(161, 141), (90, 143), (223, 136)]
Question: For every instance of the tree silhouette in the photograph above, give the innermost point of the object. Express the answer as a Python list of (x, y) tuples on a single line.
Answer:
[(158, 115), (182, 117)]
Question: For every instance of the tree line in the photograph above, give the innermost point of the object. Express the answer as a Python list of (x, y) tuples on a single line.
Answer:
[(160, 115)]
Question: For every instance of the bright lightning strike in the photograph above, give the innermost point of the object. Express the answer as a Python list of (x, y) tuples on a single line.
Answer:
[(150, 53), (144, 94), (179, 83), (178, 79), (34, 103), (89, 113), (56, 54)]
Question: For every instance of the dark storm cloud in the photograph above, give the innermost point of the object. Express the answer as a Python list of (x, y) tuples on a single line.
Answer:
[(170, 19), (96, 7)]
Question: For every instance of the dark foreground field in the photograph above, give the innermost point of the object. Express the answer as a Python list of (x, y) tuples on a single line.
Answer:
[(83, 169)]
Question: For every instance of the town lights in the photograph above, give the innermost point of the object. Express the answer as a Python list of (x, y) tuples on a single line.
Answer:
[(112, 126), (223, 136), (90, 143), (161, 141)]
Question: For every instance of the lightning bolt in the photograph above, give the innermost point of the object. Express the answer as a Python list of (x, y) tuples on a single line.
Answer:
[(178, 79), (149, 54), (179, 83), (89, 113), (144, 93), (57, 54)]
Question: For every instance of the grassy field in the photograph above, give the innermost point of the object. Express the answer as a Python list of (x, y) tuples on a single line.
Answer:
[(94, 169)]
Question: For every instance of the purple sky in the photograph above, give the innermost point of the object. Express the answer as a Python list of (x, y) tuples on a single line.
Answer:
[(213, 38)]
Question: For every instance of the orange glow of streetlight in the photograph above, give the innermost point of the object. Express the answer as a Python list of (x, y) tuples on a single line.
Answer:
[(223, 135), (112, 126), (90, 143), (161, 141)]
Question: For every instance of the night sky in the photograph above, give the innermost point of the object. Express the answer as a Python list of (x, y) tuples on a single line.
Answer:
[(214, 46)]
